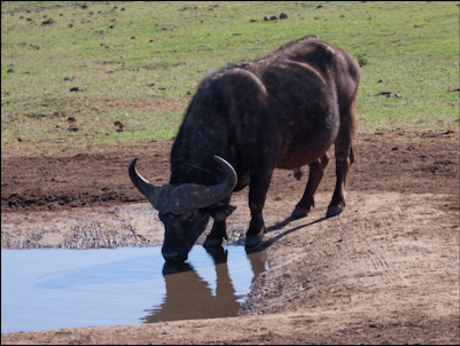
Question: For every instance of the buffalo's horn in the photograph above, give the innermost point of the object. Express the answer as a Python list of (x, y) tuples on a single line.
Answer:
[(187, 197), (142, 184)]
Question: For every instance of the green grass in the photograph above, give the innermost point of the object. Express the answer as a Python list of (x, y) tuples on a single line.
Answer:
[(412, 46)]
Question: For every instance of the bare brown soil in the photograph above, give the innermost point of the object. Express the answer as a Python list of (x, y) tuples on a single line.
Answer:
[(385, 271)]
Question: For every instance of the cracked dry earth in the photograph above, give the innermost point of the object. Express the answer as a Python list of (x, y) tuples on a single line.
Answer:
[(385, 271)]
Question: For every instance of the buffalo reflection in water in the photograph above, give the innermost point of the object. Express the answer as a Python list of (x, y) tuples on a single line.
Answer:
[(188, 296)]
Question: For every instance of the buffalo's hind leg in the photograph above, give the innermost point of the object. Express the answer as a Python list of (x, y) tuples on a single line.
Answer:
[(317, 170), (344, 158)]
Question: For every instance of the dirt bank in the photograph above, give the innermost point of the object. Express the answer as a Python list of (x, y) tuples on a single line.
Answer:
[(384, 271)]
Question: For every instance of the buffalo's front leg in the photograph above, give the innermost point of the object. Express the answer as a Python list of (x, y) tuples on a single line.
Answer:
[(258, 187), (217, 235), (218, 231), (344, 157), (317, 170)]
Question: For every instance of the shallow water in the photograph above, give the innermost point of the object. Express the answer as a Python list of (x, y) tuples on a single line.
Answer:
[(49, 289)]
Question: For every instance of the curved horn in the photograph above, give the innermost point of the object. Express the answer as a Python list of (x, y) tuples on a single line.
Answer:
[(187, 197), (142, 184)]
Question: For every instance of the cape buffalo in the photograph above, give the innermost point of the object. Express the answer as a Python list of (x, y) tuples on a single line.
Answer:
[(283, 110)]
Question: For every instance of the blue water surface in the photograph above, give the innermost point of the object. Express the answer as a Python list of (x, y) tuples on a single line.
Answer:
[(50, 289)]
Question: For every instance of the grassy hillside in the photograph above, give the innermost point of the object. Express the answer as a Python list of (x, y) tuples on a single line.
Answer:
[(140, 62)]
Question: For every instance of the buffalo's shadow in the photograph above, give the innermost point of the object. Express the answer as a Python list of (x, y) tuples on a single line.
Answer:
[(266, 243), (188, 296)]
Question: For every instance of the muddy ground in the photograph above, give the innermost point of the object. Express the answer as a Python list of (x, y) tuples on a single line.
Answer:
[(384, 271)]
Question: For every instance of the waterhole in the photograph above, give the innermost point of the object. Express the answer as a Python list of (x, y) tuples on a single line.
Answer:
[(50, 289)]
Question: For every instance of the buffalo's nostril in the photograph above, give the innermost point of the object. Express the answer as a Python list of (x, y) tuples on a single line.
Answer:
[(171, 256)]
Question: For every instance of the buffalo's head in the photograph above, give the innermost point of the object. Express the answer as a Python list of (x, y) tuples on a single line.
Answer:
[(185, 209)]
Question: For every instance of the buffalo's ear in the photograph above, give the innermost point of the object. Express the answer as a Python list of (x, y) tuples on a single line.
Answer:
[(221, 211)]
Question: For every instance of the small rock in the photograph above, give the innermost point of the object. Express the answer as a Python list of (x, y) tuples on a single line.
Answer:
[(136, 69), (266, 19), (19, 139), (71, 120), (69, 79), (122, 9), (70, 25), (84, 6), (76, 89), (119, 124), (253, 20), (151, 41), (48, 22), (73, 129), (273, 18), (10, 70), (342, 16), (380, 81), (319, 6), (109, 71), (283, 16), (133, 37)]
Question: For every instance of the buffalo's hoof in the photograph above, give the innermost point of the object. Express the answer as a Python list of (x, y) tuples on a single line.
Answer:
[(333, 211), (299, 212), (253, 241)]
